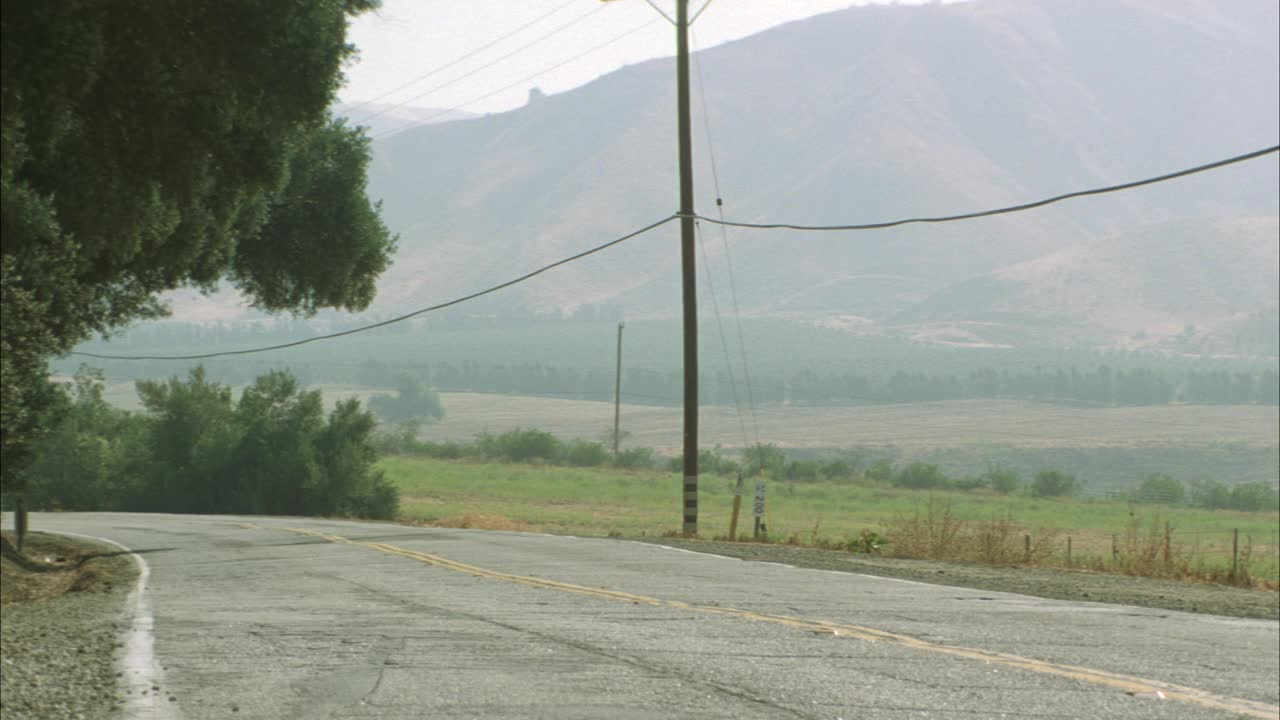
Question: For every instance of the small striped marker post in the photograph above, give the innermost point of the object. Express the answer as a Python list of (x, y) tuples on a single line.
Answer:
[(690, 505)]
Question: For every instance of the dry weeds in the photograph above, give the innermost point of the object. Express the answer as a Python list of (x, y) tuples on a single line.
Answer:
[(481, 521)]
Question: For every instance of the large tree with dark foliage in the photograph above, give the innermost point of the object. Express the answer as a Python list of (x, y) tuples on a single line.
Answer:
[(149, 146)]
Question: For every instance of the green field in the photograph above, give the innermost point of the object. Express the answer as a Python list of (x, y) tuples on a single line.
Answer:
[(604, 501)]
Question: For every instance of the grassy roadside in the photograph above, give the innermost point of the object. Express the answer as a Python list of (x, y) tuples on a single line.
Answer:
[(603, 502)]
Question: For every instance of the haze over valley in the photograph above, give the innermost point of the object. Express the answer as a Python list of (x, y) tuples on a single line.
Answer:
[(1154, 296), (876, 113)]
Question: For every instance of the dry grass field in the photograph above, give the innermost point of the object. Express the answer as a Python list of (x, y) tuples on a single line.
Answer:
[(933, 425), (914, 425)]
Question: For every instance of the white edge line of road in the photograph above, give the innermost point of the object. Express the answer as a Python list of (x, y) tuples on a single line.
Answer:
[(795, 567), (141, 671)]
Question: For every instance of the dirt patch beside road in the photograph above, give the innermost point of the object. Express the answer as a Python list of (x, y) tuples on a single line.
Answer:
[(1040, 582), (62, 621), (51, 565)]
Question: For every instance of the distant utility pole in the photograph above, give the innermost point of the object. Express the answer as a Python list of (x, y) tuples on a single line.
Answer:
[(688, 276), (617, 396)]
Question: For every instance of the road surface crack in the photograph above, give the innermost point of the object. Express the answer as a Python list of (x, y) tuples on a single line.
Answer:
[(655, 670)]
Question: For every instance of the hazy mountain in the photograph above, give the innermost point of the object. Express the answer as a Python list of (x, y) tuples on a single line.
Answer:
[(1185, 285), (866, 114)]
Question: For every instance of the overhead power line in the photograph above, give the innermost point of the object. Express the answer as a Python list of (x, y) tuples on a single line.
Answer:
[(730, 223), (724, 344), (521, 81), (1004, 210), (557, 30), (724, 237), (698, 14), (661, 12), (401, 318), (461, 58)]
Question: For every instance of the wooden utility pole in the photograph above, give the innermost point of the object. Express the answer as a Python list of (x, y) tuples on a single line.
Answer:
[(687, 275), (617, 396)]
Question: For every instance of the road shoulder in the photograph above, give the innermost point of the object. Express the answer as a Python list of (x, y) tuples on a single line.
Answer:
[(62, 623), (1038, 582)]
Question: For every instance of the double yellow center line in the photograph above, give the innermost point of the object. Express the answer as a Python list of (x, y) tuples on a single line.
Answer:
[(1126, 683)]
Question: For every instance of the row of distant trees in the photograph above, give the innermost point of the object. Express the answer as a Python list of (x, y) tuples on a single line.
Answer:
[(1161, 489), (197, 449), (1101, 386)]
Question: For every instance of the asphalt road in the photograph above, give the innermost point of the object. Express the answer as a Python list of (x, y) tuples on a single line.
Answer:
[(302, 618)]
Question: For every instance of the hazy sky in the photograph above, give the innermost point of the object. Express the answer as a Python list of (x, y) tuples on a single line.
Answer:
[(407, 39)]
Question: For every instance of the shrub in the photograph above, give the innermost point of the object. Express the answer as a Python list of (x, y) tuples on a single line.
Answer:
[(1158, 488), (638, 458), (710, 460), (519, 445), (995, 540), (1210, 494), (77, 465), (381, 501), (728, 466), (1003, 480), (196, 449), (1253, 496), (970, 482), (764, 458), (802, 470), (933, 534), (349, 484), (868, 542), (584, 453), (881, 471), (836, 469), (920, 476), (1054, 483)]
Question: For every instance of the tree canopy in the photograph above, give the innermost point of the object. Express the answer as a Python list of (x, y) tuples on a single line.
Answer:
[(149, 147)]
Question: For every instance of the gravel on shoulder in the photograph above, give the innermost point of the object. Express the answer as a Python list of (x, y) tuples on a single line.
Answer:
[(62, 623), (1026, 580)]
